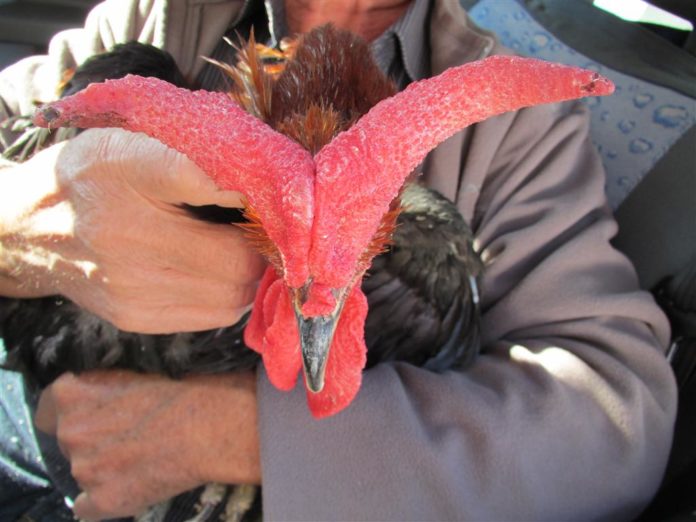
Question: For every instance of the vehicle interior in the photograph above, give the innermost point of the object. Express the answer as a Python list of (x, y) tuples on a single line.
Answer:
[(645, 134)]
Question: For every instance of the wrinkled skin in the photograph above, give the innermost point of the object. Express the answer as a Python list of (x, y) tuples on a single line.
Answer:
[(129, 436), (109, 235)]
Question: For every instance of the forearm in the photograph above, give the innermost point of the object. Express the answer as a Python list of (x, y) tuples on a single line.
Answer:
[(172, 435), (231, 454)]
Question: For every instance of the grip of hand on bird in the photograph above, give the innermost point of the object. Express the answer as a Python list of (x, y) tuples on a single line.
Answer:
[(135, 440), (99, 220)]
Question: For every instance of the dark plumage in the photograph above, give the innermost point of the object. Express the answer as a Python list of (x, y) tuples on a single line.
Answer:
[(50, 336), (122, 59), (423, 292), (128, 58)]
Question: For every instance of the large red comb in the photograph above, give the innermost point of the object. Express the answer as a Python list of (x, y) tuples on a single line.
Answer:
[(238, 151), (361, 171), (321, 213)]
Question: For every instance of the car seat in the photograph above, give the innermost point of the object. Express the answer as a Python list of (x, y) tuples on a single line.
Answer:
[(646, 137)]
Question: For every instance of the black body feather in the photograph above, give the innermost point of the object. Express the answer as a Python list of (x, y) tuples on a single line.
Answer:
[(423, 293), (123, 59)]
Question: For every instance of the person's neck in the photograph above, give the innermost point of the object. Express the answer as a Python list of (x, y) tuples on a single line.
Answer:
[(367, 18)]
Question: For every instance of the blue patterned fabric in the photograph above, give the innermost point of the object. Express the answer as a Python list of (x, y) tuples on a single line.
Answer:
[(632, 129)]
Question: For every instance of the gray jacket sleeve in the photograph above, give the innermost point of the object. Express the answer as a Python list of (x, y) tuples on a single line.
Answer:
[(568, 413)]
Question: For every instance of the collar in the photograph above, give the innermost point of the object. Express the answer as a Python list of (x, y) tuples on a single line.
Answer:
[(401, 49), (405, 44)]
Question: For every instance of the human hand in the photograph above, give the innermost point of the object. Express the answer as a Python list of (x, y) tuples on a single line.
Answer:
[(134, 440), (97, 219)]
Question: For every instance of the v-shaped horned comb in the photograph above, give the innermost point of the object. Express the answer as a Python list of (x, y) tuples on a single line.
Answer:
[(237, 150), (321, 214)]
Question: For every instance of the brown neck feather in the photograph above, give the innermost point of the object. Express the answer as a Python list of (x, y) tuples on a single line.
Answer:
[(312, 89), (332, 72)]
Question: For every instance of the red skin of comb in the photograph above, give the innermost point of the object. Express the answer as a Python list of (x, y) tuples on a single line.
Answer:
[(238, 151), (364, 167), (321, 213)]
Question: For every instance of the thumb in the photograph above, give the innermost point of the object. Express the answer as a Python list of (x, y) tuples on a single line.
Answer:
[(187, 183), (158, 171)]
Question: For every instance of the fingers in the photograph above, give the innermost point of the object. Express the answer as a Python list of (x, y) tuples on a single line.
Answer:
[(218, 251), (166, 300), (143, 263), (120, 431), (127, 445), (177, 318), (193, 186), (157, 170)]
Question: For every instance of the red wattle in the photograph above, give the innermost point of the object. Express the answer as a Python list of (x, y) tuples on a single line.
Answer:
[(272, 332), (256, 327)]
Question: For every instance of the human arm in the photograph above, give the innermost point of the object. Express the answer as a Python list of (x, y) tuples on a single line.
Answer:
[(187, 30), (37, 78), (98, 220), (568, 412), (134, 440)]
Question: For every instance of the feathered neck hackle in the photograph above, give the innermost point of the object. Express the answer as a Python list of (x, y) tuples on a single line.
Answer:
[(310, 88)]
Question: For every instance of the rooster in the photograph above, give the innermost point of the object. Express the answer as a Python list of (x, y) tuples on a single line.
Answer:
[(302, 206), (306, 160), (414, 317)]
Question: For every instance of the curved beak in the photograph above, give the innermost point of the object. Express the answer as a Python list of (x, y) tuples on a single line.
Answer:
[(316, 336)]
